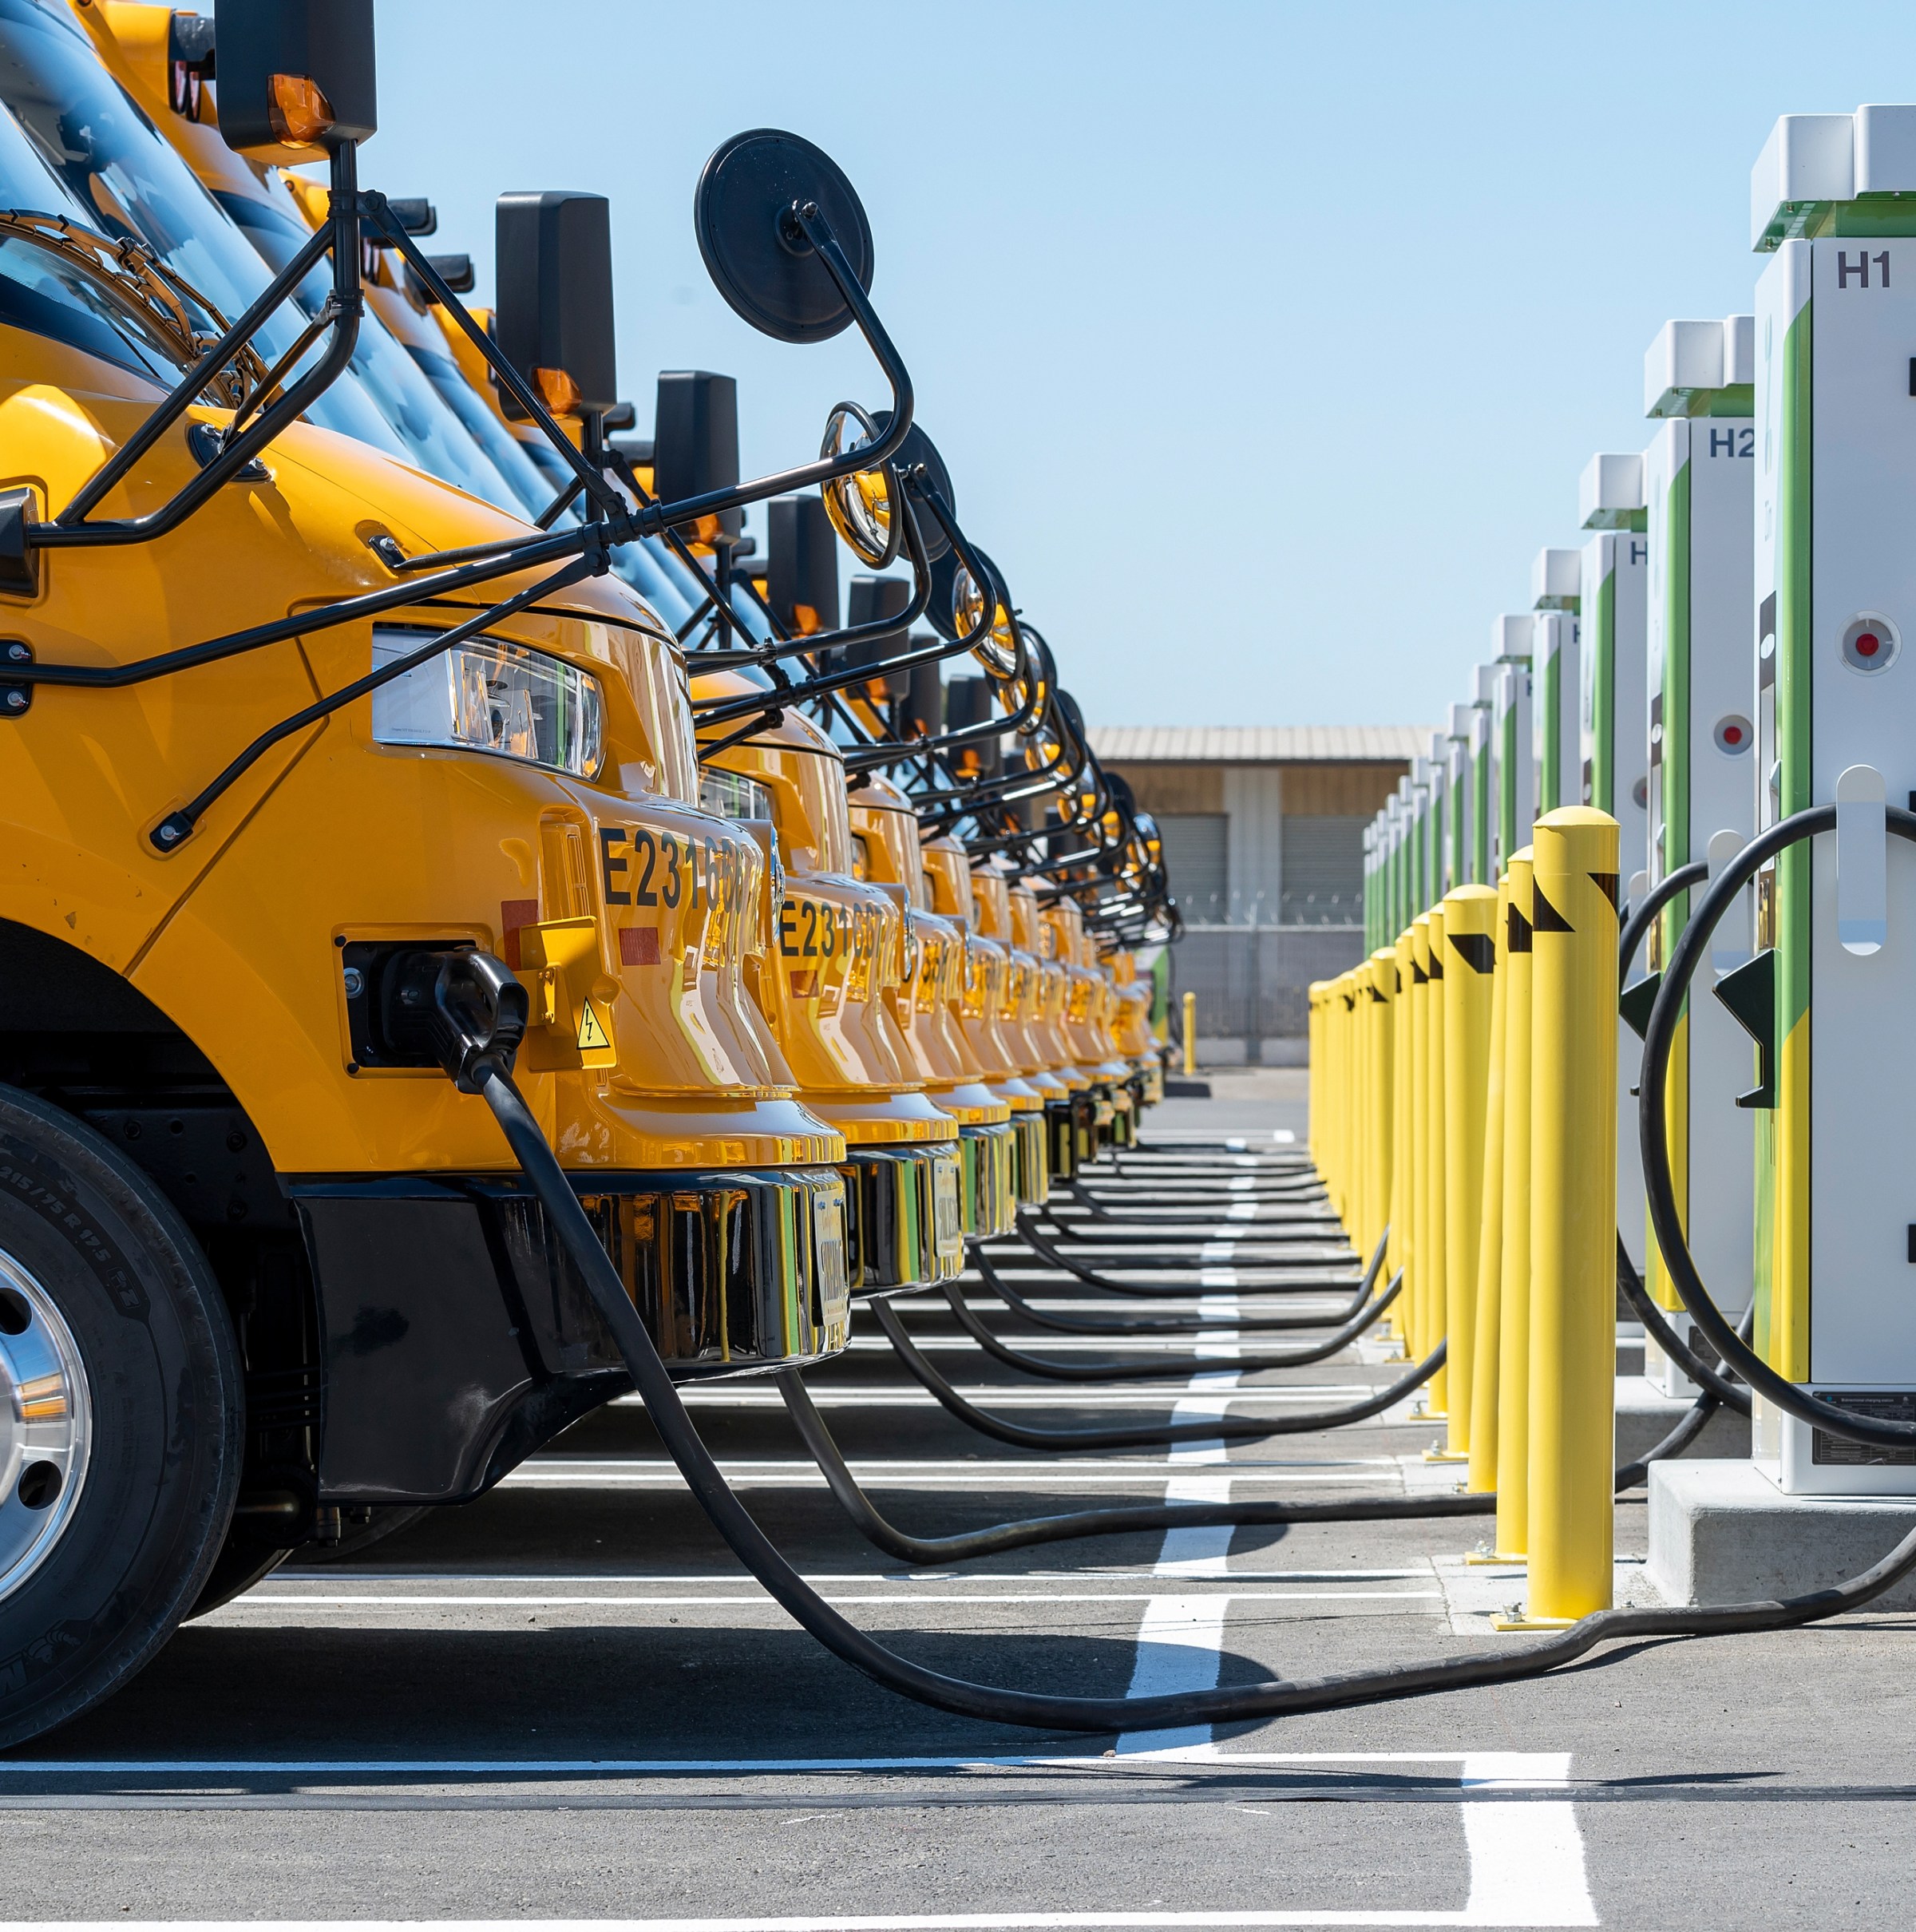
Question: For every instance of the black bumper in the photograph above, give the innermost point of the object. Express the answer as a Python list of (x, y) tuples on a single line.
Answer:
[(456, 1336)]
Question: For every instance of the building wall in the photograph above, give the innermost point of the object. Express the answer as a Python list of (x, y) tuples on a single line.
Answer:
[(1291, 868), (1314, 810)]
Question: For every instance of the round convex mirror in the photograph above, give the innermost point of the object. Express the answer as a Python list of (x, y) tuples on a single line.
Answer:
[(862, 505), (998, 649), (758, 254), (918, 451)]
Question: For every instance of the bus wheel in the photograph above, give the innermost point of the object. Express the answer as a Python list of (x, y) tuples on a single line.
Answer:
[(121, 1415)]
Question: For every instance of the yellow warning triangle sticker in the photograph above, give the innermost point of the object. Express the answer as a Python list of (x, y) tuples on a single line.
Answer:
[(592, 1031)]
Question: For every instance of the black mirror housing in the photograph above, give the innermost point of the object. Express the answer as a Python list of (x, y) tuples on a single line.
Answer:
[(554, 312), (802, 564), (696, 440), (967, 701), (874, 599), (925, 702), (455, 271), (266, 48)]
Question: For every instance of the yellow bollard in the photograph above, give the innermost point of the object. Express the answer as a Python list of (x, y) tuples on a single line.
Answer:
[(1190, 1034), (1416, 1286), (1513, 1298), (1436, 1307), (1403, 1215), (1490, 1226), (1336, 1009), (1573, 1212), (1470, 957), (1358, 1219), (1349, 1202), (1380, 1089)]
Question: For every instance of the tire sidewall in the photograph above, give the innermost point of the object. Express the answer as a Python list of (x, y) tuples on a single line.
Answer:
[(166, 1391)]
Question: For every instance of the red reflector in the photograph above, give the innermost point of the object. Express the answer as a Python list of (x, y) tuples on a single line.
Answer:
[(638, 945), (513, 913)]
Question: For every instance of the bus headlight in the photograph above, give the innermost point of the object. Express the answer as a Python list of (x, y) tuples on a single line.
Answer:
[(489, 695)]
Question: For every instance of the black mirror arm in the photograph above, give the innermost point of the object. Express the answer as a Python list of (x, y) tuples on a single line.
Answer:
[(301, 623), (339, 235), (899, 751), (826, 469), (717, 710), (176, 827), (1037, 688), (378, 210), (889, 751), (848, 634)]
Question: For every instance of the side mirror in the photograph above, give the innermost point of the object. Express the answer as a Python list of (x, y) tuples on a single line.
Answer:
[(957, 609), (189, 62), (968, 700), (801, 565), (696, 445), (455, 271), (874, 599), (759, 257), (864, 505), (296, 78), (925, 702), (414, 213), (554, 314)]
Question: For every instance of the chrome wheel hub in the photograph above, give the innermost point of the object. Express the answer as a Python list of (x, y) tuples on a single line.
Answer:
[(45, 1425)]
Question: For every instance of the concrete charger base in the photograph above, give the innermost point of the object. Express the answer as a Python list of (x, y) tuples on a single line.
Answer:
[(1721, 1532)]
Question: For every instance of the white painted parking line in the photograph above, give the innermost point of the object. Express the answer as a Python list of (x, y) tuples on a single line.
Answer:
[(339, 1575), (1299, 1466), (558, 1474), (717, 1396), (1526, 1857), (1195, 1763), (1181, 1639), (266, 1600)]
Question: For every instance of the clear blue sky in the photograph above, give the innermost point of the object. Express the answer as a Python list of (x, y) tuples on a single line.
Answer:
[(1266, 342)]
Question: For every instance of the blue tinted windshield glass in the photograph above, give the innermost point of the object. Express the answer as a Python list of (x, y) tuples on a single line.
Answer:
[(103, 164), (44, 293), (434, 438), (498, 442), (640, 569)]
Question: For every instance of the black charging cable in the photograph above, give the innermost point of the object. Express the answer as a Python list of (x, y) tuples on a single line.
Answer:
[(1222, 1428), (1287, 1271), (1046, 1710), (1237, 1323), (1053, 1371), (1666, 1218)]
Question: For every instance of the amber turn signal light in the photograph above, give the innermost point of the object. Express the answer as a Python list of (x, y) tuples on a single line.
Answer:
[(301, 112)]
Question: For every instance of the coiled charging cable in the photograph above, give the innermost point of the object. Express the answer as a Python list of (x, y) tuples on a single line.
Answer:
[(1045, 1710), (1658, 1044)]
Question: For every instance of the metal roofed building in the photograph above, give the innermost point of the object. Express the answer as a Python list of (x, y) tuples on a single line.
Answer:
[(1263, 831)]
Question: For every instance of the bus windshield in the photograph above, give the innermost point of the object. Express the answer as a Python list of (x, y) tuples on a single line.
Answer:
[(90, 154), (434, 438)]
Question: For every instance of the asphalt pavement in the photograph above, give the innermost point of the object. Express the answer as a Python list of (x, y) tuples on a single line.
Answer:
[(566, 1701)]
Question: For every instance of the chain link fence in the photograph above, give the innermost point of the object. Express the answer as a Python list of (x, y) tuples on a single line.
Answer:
[(1253, 983)]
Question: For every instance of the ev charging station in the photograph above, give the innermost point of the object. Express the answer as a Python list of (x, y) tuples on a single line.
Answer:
[(1422, 803), (1614, 726), (1835, 592), (1461, 788), (1698, 475), (1556, 586), (1615, 734), (1510, 736), (1444, 813), (1399, 808), (1483, 777)]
